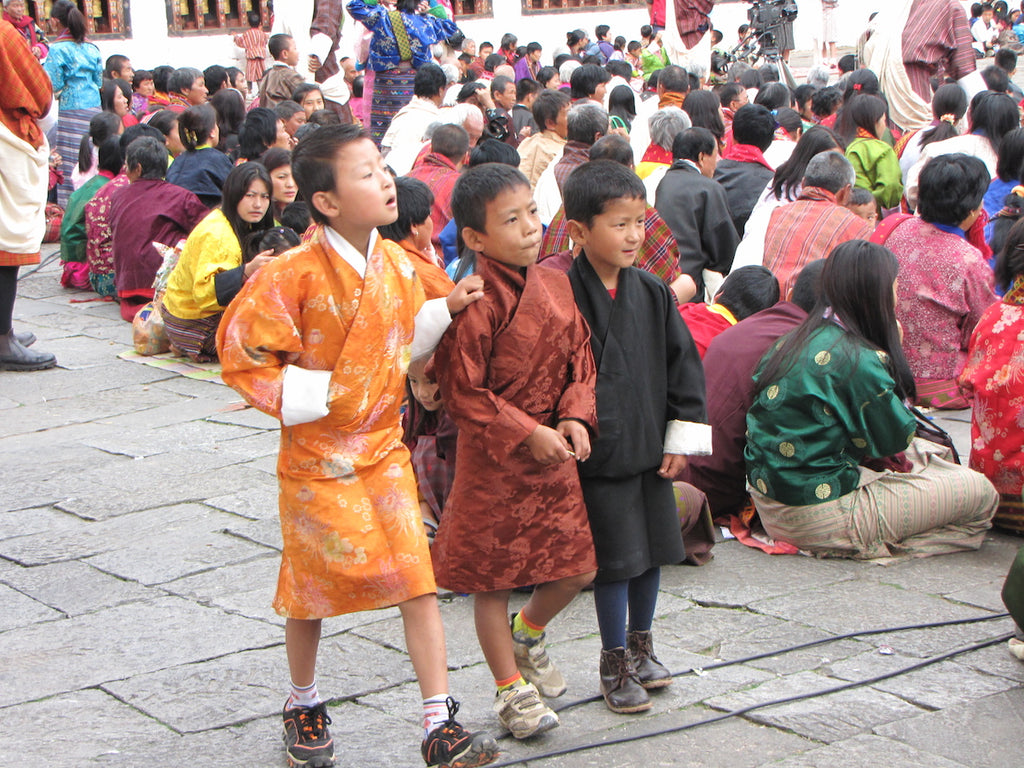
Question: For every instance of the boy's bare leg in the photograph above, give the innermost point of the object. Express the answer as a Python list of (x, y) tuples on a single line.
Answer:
[(301, 641), (490, 610), (424, 639), (549, 599)]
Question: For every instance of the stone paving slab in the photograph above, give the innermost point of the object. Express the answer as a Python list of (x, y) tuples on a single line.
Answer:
[(257, 502), (859, 605), (74, 588), (241, 687), (38, 733), (58, 383), (85, 651), (19, 610), (938, 686), (984, 733), (828, 718), (177, 436), (739, 576), (867, 751), (735, 743)]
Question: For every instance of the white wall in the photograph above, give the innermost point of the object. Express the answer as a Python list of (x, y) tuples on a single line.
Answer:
[(152, 45)]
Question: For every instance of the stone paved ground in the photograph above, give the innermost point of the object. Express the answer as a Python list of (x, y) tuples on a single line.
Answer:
[(138, 554)]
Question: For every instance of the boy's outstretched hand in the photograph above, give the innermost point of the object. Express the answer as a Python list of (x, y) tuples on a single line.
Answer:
[(576, 434), (466, 291), (671, 465), (548, 446)]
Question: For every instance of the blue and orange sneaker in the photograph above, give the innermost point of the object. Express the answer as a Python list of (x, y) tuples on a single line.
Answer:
[(307, 741)]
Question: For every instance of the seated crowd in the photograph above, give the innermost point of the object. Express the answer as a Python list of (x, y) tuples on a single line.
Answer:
[(822, 271)]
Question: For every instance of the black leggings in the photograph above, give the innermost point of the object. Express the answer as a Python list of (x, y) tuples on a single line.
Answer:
[(8, 290)]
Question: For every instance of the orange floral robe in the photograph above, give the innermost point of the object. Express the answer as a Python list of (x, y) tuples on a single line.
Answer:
[(353, 539)]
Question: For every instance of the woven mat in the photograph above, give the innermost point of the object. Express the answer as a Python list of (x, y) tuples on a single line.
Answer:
[(180, 365)]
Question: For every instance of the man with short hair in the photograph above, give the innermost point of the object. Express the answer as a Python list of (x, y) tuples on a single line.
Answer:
[(542, 147), (816, 222), (522, 112), (404, 137), (585, 123), (118, 67), (281, 79), (439, 170), (186, 88), (696, 209), (743, 172), (503, 94)]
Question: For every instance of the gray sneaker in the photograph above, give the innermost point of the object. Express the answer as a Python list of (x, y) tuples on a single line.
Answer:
[(534, 664), (521, 710)]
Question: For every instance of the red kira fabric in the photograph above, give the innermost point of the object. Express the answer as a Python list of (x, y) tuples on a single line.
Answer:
[(703, 324), (440, 174)]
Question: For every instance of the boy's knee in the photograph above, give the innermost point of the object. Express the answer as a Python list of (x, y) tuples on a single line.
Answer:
[(581, 581)]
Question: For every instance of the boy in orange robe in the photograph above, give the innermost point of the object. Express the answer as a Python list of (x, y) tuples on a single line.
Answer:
[(322, 340)]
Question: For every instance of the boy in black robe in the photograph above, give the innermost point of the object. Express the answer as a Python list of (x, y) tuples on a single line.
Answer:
[(650, 411)]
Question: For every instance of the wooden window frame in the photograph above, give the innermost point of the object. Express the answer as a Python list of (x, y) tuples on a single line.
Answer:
[(116, 22), (482, 9), (539, 7), (227, 17)]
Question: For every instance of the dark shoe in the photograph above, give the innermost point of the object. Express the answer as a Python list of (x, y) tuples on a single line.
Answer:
[(651, 672), (620, 687), (452, 746), (26, 339), (307, 741), (15, 357)]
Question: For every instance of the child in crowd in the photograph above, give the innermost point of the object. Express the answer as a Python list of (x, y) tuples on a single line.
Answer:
[(275, 241), (994, 375), (645, 423), (862, 203), (280, 81), (517, 375), (321, 340), (430, 435), (412, 230), (874, 161), (309, 97), (296, 217), (254, 43), (746, 291), (201, 169)]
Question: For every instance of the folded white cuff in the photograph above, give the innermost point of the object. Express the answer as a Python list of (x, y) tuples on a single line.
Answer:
[(688, 437), (320, 45), (304, 395), (432, 321)]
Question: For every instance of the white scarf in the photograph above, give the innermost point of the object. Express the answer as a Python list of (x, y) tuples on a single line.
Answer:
[(883, 54)]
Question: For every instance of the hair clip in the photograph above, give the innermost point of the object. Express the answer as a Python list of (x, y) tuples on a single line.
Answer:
[(857, 86), (948, 118)]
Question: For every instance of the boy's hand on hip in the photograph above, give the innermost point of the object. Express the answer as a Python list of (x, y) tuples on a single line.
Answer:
[(577, 434), (548, 446), (671, 465), (466, 291)]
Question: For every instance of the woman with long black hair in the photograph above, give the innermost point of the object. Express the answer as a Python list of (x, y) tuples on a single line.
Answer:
[(830, 399)]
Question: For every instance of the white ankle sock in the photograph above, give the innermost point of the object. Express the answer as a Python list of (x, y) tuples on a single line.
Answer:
[(304, 696), (435, 712)]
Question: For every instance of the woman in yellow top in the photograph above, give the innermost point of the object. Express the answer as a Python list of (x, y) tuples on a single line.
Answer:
[(211, 270)]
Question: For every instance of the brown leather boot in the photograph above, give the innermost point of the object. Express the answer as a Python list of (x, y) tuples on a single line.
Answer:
[(620, 687), (651, 672)]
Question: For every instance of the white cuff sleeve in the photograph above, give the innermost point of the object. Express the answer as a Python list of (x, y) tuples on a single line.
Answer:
[(688, 437), (432, 321), (304, 395), (320, 45)]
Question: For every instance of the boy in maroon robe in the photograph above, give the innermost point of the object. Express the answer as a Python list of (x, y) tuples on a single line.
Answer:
[(517, 375)]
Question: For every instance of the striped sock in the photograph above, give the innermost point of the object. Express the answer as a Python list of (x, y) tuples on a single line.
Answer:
[(504, 685), (304, 696), (435, 712)]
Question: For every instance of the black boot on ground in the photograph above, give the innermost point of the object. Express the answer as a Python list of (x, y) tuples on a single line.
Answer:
[(14, 356), (651, 672), (620, 687)]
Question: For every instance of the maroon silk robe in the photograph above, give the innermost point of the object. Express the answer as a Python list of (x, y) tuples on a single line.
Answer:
[(517, 358)]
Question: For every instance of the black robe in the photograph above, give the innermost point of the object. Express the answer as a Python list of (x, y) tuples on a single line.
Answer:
[(648, 373), (697, 211)]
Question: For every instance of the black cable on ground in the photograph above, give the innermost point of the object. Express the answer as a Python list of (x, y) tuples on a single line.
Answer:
[(803, 646), (775, 702), (51, 258)]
